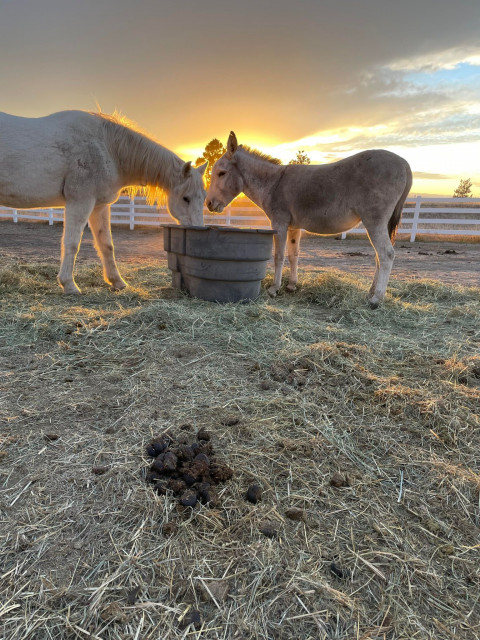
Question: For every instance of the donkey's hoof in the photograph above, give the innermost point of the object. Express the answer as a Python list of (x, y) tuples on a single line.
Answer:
[(72, 291), (118, 285), (272, 292), (291, 287), (374, 304)]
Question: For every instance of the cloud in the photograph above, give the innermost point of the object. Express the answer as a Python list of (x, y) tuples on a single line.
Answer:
[(434, 61), (424, 175)]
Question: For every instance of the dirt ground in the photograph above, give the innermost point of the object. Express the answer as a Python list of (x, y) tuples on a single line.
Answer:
[(449, 262)]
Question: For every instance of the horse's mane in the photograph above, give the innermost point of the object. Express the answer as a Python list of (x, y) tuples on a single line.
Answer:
[(141, 157), (260, 155)]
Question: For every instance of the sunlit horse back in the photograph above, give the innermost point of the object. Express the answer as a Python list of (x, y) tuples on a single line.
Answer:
[(82, 160)]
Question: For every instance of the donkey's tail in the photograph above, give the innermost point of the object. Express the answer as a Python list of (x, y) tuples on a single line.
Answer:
[(397, 212)]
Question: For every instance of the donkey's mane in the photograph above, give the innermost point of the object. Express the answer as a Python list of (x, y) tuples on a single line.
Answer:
[(140, 157), (260, 155)]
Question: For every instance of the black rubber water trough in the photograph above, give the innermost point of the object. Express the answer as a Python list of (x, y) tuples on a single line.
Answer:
[(220, 264)]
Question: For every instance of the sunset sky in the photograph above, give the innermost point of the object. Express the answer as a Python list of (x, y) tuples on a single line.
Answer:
[(331, 77)]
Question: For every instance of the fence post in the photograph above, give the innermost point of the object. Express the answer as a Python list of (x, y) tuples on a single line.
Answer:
[(15, 215), (50, 217), (228, 213), (132, 213), (416, 216)]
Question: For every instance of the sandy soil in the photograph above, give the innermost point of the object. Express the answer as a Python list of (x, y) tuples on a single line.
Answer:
[(450, 262)]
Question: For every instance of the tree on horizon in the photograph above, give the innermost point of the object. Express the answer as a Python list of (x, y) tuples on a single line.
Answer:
[(300, 158), (213, 151), (464, 189)]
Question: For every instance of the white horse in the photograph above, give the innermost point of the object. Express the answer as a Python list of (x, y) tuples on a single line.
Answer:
[(82, 160), (368, 187)]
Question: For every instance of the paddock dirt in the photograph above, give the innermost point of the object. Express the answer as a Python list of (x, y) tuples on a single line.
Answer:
[(425, 259)]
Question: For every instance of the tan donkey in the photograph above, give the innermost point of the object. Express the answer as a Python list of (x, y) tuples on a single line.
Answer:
[(369, 187)]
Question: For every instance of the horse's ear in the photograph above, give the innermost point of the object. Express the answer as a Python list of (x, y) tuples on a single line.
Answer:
[(202, 168), (187, 167), (232, 144)]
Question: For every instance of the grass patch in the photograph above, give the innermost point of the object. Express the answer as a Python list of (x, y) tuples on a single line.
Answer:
[(318, 384)]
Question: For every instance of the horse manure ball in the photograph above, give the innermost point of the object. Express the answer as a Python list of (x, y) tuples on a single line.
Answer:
[(160, 444), (151, 451), (51, 437), (220, 472), (268, 530), (230, 421), (195, 447), (207, 494), (176, 485), (254, 493), (161, 486), (205, 447), (169, 528), (338, 480), (165, 463), (338, 571), (188, 498), (295, 514), (203, 434), (200, 466), (193, 472), (191, 617), (152, 476), (184, 452)]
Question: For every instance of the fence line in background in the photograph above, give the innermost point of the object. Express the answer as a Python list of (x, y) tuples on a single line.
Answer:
[(134, 211)]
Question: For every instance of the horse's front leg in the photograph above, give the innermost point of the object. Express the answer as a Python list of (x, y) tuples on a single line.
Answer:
[(102, 234), (293, 248), (76, 216), (280, 240)]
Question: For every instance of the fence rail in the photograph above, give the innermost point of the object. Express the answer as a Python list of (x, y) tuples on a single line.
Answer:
[(415, 219)]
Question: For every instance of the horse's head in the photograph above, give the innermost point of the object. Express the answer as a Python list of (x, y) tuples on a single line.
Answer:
[(185, 200), (226, 182)]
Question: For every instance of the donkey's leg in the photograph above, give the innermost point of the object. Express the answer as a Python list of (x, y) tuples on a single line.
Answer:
[(385, 254), (76, 216), (279, 241), (102, 234), (293, 248)]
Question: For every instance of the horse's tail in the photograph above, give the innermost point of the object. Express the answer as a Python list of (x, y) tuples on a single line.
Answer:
[(397, 212)]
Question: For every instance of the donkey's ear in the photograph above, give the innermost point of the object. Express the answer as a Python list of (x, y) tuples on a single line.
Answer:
[(232, 144), (187, 167), (202, 168)]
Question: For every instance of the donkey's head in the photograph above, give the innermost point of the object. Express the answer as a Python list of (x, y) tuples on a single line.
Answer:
[(185, 199), (226, 182)]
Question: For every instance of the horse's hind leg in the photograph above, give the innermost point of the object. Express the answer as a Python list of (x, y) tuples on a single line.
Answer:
[(102, 234), (293, 247), (385, 254), (76, 216)]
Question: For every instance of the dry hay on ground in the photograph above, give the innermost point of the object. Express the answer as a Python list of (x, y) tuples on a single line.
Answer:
[(292, 391)]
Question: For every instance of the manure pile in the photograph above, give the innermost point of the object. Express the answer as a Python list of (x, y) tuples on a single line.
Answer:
[(188, 468)]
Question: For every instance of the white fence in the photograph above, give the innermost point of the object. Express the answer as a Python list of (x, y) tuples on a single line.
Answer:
[(437, 216)]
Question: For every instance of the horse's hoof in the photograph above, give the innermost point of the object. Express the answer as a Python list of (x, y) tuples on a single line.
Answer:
[(72, 291), (374, 304), (291, 288), (272, 292)]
